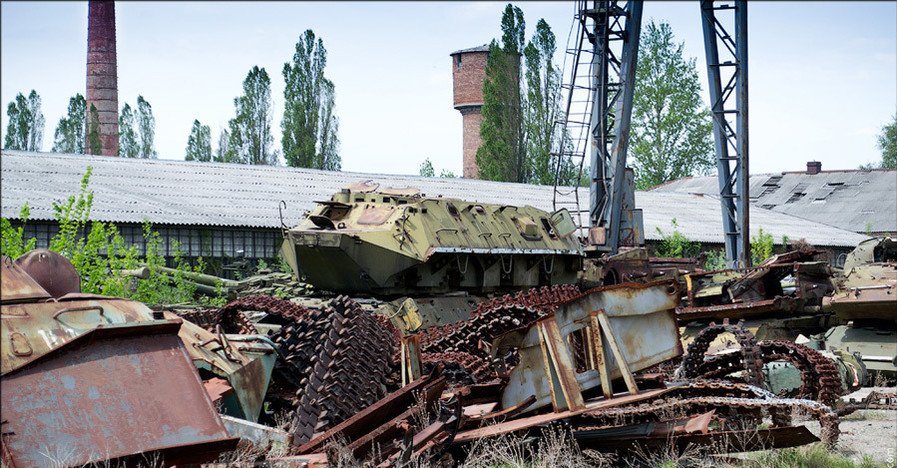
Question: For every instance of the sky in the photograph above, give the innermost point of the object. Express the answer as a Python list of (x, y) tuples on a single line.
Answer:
[(822, 75)]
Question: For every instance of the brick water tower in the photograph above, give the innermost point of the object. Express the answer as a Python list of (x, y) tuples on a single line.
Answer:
[(468, 74), (102, 75)]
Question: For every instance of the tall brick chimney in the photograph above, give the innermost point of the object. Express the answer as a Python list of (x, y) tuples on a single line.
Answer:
[(102, 73), (468, 74)]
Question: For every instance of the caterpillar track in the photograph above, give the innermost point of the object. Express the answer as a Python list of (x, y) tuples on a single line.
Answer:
[(349, 371), (819, 377), (740, 402), (495, 317)]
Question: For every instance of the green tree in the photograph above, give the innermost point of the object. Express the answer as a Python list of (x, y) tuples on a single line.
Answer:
[(250, 137), (69, 134), (426, 168), (887, 143), (223, 153), (199, 143), (25, 130), (94, 143), (309, 124), (128, 141), (541, 110), (146, 125), (502, 154), (671, 127)]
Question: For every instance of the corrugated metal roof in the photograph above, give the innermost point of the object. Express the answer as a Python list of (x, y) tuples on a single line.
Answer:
[(844, 199), (218, 194)]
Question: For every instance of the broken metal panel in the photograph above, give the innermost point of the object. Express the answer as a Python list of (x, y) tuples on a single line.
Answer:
[(247, 367), (18, 286), (643, 324), (111, 393)]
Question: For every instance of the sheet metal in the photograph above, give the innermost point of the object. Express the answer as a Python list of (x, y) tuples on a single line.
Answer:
[(111, 393), (644, 326)]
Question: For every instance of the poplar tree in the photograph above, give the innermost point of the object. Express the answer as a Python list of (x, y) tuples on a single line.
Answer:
[(541, 109), (128, 142), (69, 134), (250, 140), (199, 143), (309, 123), (502, 154), (146, 125), (94, 143), (25, 130)]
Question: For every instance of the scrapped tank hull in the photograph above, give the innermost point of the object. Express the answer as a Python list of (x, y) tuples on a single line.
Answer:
[(89, 378), (393, 242)]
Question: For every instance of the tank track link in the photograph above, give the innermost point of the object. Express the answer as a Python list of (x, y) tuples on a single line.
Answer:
[(819, 377), (350, 369), (734, 401), (460, 368), (750, 354), (492, 318)]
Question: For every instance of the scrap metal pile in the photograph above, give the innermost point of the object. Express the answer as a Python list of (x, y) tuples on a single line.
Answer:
[(388, 378), (521, 361)]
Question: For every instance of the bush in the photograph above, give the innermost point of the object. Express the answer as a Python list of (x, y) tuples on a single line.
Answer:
[(99, 254)]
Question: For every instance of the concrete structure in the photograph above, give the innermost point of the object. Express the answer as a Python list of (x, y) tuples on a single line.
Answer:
[(860, 200), (468, 74), (102, 74), (217, 210)]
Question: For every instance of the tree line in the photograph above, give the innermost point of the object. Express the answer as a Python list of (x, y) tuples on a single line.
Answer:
[(670, 135), (310, 126)]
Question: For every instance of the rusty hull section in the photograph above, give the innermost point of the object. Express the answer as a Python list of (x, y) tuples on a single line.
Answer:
[(87, 378), (622, 329), (113, 393)]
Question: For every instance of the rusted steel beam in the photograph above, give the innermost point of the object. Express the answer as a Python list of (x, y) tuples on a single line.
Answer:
[(597, 350), (726, 441), (373, 416), (618, 354), (531, 421), (565, 394)]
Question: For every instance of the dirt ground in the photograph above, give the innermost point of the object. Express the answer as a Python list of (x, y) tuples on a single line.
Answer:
[(869, 433)]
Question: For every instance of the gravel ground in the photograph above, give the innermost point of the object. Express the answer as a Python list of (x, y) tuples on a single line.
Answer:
[(869, 433)]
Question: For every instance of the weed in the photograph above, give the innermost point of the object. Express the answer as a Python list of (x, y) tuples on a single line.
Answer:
[(676, 244)]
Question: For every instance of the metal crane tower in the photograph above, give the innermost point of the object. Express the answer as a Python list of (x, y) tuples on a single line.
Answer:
[(604, 51), (731, 141)]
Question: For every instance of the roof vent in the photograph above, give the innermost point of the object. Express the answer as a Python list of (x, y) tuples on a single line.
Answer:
[(814, 167)]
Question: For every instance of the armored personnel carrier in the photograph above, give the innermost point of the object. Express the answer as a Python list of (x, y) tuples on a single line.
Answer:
[(865, 301), (392, 242)]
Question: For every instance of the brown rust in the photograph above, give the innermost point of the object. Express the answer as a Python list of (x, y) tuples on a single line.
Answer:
[(88, 397)]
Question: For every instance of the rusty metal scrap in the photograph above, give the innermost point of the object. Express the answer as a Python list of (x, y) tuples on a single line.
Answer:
[(104, 378)]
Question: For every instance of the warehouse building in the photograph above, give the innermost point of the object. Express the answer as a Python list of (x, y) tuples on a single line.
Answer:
[(232, 211)]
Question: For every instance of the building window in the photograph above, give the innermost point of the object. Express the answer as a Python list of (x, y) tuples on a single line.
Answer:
[(459, 60)]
